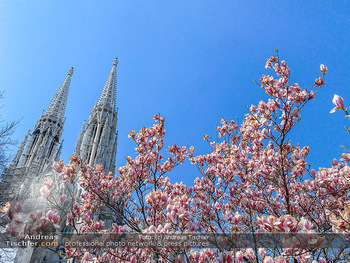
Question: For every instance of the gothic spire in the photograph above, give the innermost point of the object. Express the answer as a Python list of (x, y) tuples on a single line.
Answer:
[(57, 106), (97, 139), (19, 152), (108, 95), (79, 141)]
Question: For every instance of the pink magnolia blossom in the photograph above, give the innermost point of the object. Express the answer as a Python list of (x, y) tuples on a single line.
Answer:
[(338, 102), (268, 259), (262, 252), (323, 69), (48, 182), (69, 218), (45, 192), (345, 157), (239, 256), (63, 198), (87, 257), (52, 216)]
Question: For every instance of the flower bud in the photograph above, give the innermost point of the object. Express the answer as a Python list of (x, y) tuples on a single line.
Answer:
[(338, 102), (323, 69)]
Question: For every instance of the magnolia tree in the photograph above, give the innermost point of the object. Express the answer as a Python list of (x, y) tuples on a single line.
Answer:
[(253, 183)]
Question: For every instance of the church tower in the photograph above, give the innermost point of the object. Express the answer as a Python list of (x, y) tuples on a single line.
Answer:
[(42, 147), (97, 142)]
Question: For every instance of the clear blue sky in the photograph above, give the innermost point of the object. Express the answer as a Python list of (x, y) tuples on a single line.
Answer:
[(192, 61)]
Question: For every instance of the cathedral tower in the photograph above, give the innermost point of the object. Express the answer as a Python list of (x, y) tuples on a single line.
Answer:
[(97, 142), (39, 149)]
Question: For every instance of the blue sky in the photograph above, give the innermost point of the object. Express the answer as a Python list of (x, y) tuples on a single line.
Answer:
[(192, 61)]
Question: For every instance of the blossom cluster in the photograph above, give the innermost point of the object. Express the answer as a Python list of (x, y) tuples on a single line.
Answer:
[(254, 180)]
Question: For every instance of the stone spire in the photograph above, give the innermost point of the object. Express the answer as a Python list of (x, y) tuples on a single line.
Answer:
[(58, 104), (19, 152), (42, 145), (59, 151), (79, 141), (108, 95), (97, 141)]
